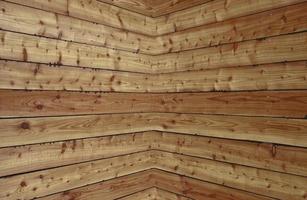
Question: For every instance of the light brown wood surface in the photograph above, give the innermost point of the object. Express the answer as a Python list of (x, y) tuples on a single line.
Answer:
[(262, 182), (205, 100), (55, 103), (48, 129), (224, 174), (21, 159), (29, 76), (38, 22), (109, 190), (192, 188), (155, 8), (56, 180)]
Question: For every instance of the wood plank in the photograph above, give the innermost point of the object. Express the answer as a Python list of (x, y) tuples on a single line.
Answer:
[(270, 50), (57, 6), (154, 194), (43, 102), (21, 47), (148, 194), (261, 182), (138, 6), (210, 12), (98, 12), (178, 184), (109, 190), (32, 21), (46, 129), (28, 158), (56, 25), (29, 76), (166, 195), (216, 11), (285, 159), (276, 22), (197, 189), (102, 13), (46, 182), (291, 104), (155, 8), (260, 155), (27, 20), (41, 76), (261, 129), (276, 49)]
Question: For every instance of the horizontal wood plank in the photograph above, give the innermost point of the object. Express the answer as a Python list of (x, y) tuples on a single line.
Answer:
[(197, 189), (181, 185), (32, 21), (46, 182), (285, 159), (163, 194), (29, 158), (261, 182), (29, 76), (52, 103), (216, 11), (154, 194), (107, 14), (276, 22), (47, 129), (109, 190), (21, 47), (22, 19), (58, 6), (155, 8), (110, 15), (148, 194), (262, 51), (274, 157)]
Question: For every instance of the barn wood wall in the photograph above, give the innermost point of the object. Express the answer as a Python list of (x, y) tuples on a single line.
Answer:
[(209, 101)]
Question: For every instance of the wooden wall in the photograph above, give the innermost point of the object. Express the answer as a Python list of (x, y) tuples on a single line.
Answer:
[(208, 102)]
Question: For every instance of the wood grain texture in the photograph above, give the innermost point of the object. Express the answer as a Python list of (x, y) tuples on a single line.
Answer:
[(32, 21), (27, 20), (154, 194), (276, 22), (270, 50), (21, 159), (155, 8), (103, 13), (89, 173), (52, 103), (23, 47), (109, 190), (46, 182), (47, 129), (166, 195), (64, 145), (160, 179), (148, 194), (216, 11), (15, 46), (285, 159), (29, 76), (197, 189), (261, 182), (211, 12), (57, 6)]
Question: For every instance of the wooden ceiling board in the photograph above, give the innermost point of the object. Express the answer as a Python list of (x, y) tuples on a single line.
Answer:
[(155, 8)]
